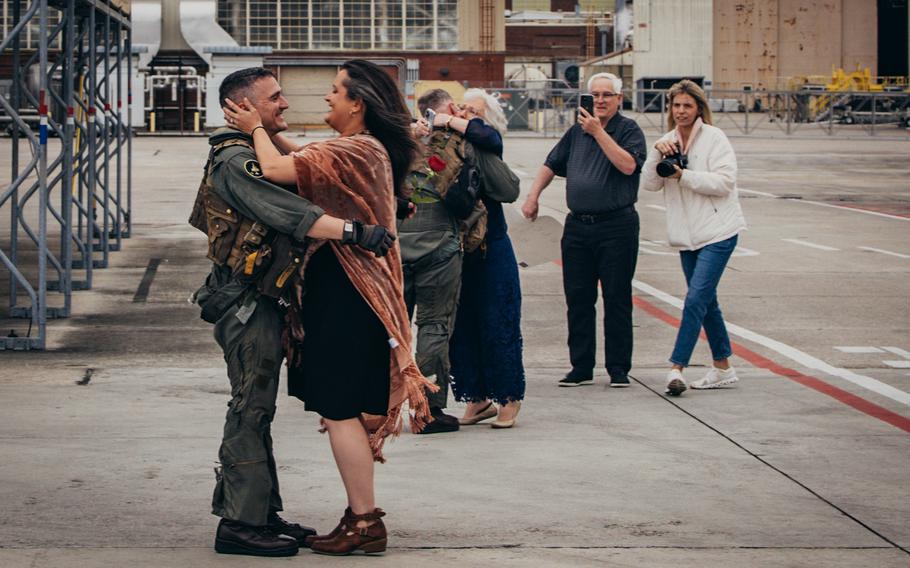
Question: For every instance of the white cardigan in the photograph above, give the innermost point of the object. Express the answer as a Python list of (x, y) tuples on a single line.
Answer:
[(703, 205)]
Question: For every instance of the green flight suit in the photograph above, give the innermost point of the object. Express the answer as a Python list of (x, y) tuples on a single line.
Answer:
[(431, 262), (249, 334), (431, 258)]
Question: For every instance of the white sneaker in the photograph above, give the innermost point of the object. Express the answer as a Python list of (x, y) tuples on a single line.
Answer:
[(716, 378), (676, 384)]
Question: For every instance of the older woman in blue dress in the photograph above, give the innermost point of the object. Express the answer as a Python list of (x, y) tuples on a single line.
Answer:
[(486, 346)]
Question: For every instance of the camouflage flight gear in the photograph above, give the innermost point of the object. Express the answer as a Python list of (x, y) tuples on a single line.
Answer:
[(253, 228), (255, 253), (438, 166), (439, 175)]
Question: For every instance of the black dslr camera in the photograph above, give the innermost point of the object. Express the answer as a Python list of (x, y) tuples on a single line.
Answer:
[(665, 167)]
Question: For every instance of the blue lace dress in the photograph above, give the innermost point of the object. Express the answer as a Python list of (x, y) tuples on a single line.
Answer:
[(486, 345)]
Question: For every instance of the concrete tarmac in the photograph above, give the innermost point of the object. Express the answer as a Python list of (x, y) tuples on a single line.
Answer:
[(109, 437)]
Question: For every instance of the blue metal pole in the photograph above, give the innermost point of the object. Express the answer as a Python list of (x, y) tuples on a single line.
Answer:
[(41, 315)]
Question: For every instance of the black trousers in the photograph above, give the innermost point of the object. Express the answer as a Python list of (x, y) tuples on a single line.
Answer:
[(604, 250)]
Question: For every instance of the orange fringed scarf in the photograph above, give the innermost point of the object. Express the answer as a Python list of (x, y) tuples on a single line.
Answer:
[(351, 178)]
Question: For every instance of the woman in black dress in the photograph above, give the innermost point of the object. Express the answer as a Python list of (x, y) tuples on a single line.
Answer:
[(349, 327)]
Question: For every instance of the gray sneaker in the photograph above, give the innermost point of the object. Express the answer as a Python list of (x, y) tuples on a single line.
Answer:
[(716, 378)]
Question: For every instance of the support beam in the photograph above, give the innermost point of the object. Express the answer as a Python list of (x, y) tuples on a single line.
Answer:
[(64, 180)]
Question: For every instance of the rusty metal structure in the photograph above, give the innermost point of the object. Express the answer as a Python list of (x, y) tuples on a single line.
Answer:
[(70, 137)]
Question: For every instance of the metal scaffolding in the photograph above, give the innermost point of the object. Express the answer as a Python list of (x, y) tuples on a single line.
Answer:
[(69, 199)]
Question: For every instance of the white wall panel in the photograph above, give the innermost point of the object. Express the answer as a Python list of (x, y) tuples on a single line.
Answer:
[(304, 88), (673, 38)]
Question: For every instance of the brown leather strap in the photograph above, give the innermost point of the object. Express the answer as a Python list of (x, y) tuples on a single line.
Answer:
[(221, 146), (373, 515)]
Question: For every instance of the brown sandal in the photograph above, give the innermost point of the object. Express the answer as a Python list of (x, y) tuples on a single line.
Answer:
[(341, 524), (489, 411), (348, 538)]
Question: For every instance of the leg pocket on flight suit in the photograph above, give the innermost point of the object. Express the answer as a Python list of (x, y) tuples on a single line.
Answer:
[(240, 375), (254, 378), (441, 280), (436, 313), (433, 350), (449, 279)]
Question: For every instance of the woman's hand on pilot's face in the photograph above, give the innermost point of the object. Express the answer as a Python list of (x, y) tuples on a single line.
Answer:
[(244, 118)]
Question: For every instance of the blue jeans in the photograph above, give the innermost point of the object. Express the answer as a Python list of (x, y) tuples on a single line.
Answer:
[(703, 269)]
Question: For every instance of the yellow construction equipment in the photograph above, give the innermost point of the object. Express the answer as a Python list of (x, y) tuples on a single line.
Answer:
[(859, 80), (824, 95)]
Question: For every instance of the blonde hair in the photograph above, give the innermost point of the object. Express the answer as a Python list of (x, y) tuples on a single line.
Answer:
[(687, 87), (617, 82), (493, 114)]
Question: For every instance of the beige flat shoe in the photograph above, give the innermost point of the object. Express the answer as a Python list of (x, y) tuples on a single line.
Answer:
[(501, 424), (486, 413)]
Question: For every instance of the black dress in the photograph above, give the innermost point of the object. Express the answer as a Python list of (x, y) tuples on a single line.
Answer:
[(345, 353)]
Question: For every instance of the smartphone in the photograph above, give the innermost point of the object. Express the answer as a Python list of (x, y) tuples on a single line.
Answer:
[(587, 102), (430, 115)]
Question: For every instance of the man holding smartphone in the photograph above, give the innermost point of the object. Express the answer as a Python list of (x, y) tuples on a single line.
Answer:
[(586, 103), (601, 158)]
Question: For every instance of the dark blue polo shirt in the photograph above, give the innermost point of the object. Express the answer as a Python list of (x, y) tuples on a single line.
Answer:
[(593, 185)]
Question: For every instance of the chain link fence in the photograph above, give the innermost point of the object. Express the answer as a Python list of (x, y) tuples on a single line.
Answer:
[(551, 111)]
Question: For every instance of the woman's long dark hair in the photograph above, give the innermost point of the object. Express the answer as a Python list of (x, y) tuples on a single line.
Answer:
[(385, 114)]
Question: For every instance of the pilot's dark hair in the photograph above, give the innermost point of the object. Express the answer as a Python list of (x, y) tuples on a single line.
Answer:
[(237, 85)]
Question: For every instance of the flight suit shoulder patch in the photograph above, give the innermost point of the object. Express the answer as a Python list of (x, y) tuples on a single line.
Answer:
[(252, 168)]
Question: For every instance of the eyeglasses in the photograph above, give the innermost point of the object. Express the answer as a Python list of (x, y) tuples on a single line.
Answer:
[(468, 110), (606, 96)]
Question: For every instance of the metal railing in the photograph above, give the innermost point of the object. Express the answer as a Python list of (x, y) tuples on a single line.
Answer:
[(551, 111), (75, 166)]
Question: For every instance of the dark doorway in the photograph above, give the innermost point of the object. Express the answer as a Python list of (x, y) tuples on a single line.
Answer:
[(892, 38), (649, 90), (176, 96)]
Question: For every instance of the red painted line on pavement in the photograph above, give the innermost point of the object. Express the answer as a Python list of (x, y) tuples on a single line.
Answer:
[(763, 362), (813, 383)]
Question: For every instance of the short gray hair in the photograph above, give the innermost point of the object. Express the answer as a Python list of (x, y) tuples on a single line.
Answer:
[(617, 82)]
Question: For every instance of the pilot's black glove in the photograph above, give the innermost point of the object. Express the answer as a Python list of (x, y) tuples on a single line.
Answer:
[(404, 208), (374, 238)]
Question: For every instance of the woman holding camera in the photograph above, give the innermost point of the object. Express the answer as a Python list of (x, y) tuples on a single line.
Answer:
[(695, 167)]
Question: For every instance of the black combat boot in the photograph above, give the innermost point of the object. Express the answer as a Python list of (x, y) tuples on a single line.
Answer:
[(442, 422), (237, 538), (293, 530)]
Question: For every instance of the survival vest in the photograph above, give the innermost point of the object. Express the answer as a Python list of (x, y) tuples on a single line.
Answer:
[(254, 252), (440, 173)]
